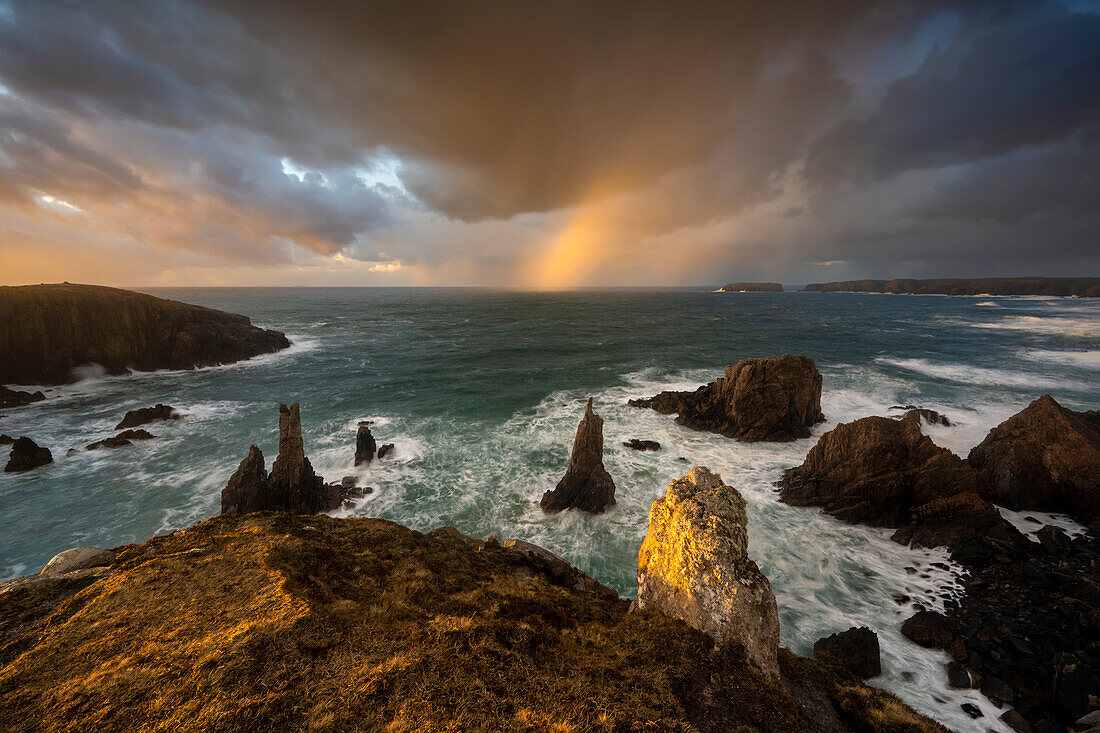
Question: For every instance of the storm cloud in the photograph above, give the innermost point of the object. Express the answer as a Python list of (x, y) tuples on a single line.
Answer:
[(613, 143)]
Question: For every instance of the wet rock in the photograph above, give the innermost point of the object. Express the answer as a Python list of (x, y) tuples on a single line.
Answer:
[(958, 676), (770, 399), (1045, 457), (923, 415), (349, 482), (26, 454), (1015, 721), (929, 629), (248, 489), (126, 437), (694, 565), (856, 650), (637, 444), (6, 439), (77, 558), (16, 398), (1053, 540), (384, 450), (365, 444), (147, 415), (972, 710), (586, 484), (886, 473)]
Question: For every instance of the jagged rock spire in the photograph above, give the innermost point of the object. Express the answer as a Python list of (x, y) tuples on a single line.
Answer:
[(586, 484)]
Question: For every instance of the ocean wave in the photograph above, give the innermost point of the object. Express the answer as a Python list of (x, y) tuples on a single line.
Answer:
[(1085, 325), (967, 374), (1082, 359)]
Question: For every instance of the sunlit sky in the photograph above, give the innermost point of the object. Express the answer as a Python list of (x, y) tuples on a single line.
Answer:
[(546, 145)]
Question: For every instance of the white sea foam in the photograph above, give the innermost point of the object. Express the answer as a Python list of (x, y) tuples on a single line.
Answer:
[(1030, 522), (1085, 325), (1081, 359), (967, 374)]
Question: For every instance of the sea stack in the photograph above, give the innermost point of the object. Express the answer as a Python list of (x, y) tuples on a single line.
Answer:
[(1046, 458), (292, 485), (365, 444), (694, 566), (770, 399), (586, 484)]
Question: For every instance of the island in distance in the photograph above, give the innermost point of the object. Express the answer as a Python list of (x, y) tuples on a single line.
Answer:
[(1085, 287), (751, 288)]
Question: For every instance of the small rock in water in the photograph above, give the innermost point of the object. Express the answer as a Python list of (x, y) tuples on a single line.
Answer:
[(384, 450), (957, 676), (586, 484), (972, 710), (365, 444), (6, 439), (26, 454), (349, 482), (901, 599), (133, 418), (636, 444)]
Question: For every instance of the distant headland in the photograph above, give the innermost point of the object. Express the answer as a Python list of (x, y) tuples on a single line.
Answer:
[(1085, 287), (752, 288)]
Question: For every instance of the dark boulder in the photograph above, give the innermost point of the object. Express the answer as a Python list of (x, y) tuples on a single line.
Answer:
[(886, 473), (6, 439), (145, 415), (923, 414), (365, 444), (126, 437), (856, 650), (770, 399), (248, 489), (26, 454), (929, 629), (384, 450), (1045, 457), (15, 398), (49, 330), (586, 484), (637, 444)]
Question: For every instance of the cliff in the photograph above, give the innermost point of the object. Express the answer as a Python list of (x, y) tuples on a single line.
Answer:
[(752, 288), (48, 330), (1057, 286), (274, 621)]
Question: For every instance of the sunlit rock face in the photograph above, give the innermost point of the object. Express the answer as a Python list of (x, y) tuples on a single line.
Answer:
[(694, 565)]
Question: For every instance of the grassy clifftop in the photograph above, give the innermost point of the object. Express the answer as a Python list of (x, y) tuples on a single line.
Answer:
[(278, 622)]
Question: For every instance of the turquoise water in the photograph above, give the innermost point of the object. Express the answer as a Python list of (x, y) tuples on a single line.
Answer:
[(481, 392)]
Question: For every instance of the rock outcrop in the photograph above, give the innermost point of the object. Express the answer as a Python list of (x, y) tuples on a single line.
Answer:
[(280, 622), (384, 450), (694, 566), (292, 485), (146, 415), (365, 444), (126, 437), (586, 484), (26, 454), (922, 415), (1045, 457), (856, 650), (639, 444), (16, 398), (1058, 286), (752, 288), (49, 330), (886, 473), (770, 399)]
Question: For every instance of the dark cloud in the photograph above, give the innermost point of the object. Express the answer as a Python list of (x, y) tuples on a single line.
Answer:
[(232, 127)]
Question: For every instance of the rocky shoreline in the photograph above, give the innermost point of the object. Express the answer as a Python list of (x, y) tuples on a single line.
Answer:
[(1085, 287)]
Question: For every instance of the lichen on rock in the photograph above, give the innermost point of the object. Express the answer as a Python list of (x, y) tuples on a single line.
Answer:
[(694, 566)]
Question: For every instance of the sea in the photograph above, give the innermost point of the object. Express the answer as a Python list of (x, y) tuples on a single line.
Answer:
[(481, 392)]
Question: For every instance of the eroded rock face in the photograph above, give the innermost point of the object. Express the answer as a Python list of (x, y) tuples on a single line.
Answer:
[(586, 484), (77, 558), (292, 486), (694, 566), (856, 650), (1045, 457), (886, 473), (770, 399), (365, 444), (26, 454), (52, 329), (145, 415)]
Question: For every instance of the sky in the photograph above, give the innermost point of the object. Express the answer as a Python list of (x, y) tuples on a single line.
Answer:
[(546, 145)]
